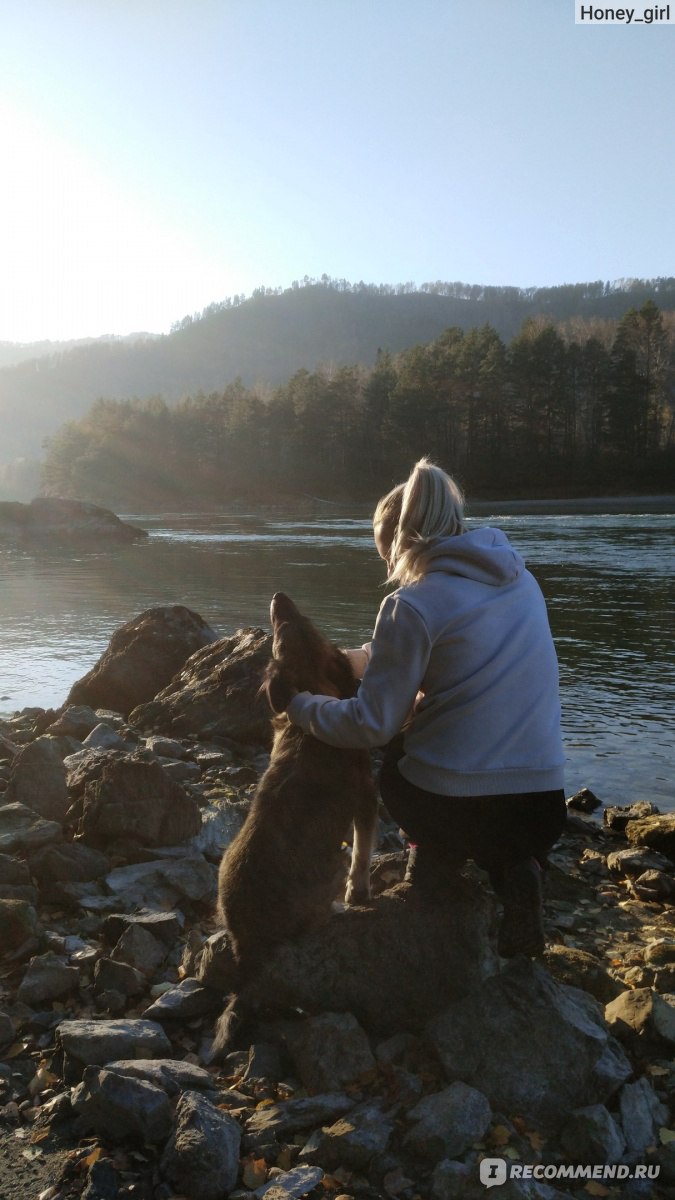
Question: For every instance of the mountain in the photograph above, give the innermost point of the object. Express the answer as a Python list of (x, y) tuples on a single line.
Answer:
[(264, 339)]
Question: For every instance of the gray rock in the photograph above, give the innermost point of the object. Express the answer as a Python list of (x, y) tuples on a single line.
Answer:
[(76, 720), (352, 1141), (634, 861), (97, 1043), (180, 772), (290, 1185), (201, 1159), (20, 927), (23, 830), (618, 816), (163, 747), (445, 1124), (6, 1029), (162, 883), (133, 800), (524, 1016), (142, 657), (171, 1074), (110, 976), (642, 1113), (104, 737), (187, 1000), (13, 871), (221, 822), (47, 978), (38, 777), (591, 1135), (656, 832), (140, 949), (580, 969), (52, 519), (643, 1012), (120, 1107), (330, 1051), (289, 1116), (166, 926), (69, 862), (411, 973), (450, 1180), (216, 694)]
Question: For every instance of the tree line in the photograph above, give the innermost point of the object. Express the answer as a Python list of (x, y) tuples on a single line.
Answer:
[(576, 408)]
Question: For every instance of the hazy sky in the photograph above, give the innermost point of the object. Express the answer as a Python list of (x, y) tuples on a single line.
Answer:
[(159, 155)]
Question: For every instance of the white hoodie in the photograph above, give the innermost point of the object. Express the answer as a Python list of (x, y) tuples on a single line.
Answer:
[(473, 636)]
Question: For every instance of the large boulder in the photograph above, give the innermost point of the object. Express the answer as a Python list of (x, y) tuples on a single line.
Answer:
[(38, 777), (216, 694), (536, 1048), (392, 963), (51, 519), (142, 657)]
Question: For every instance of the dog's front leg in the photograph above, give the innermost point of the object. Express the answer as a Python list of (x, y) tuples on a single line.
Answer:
[(358, 882)]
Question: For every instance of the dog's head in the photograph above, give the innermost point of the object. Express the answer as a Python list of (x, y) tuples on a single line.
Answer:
[(302, 657)]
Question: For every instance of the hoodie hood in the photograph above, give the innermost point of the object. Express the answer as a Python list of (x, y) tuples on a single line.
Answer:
[(484, 555)]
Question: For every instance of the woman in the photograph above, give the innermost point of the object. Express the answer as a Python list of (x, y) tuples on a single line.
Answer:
[(463, 662)]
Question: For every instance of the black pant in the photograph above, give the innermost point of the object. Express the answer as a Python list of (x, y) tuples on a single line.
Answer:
[(495, 831)]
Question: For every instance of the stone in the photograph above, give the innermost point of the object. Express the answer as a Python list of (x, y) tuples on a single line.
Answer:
[(201, 1158), (653, 886), (75, 720), (657, 832), (165, 926), (591, 1135), (418, 957), (523, 1015), (584, 801), (140, 949), (48, 978), (643, 1012), (642, 1113), (445, 1124), (104, 737), (187, 1000), (616, 817), (221, 822), (52, 519), (141, 658), (330, 1051), (20, 927), (13, 871), (97, 1043), (163, 747), (68, 862), (288, 1116), (171, 1074), (450, 1180), (580, 969), (352, 1141), (216, 694), (635, 861), (6, 1029), (290, 1185), (38, 777), (110, 976), (134, 801), (121, 1107), (162, 883), (23, 830)]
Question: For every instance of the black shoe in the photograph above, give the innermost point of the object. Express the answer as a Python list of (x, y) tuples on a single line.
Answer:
[(522, 927)]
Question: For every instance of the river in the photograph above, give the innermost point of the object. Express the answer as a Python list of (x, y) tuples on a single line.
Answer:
[(607, 571)]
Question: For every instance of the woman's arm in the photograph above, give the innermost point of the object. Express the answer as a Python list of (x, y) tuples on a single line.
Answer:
[(358, 660), (398, 661)]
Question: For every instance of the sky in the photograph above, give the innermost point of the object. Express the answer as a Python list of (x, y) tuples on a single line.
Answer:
[(161, 155)]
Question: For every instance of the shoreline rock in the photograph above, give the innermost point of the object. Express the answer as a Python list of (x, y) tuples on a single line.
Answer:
[(52, 521)]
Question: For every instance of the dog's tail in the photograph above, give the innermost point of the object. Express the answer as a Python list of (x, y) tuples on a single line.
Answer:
[(228, 1026)]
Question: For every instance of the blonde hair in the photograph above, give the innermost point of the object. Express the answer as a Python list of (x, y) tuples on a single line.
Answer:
[(428, 507)]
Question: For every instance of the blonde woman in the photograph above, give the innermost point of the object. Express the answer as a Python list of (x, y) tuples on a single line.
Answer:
[(462, 662)]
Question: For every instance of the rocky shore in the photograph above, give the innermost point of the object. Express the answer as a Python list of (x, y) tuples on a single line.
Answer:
[(390, 1055)]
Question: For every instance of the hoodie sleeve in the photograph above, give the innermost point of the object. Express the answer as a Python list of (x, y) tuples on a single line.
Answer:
[(398, 661)]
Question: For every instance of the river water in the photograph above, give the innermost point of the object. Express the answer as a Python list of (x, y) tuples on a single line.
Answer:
[(608, 577)]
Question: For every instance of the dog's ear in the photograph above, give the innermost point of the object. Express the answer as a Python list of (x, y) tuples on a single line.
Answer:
[(277, 687)]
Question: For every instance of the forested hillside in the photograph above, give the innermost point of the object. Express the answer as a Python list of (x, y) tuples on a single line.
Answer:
[(582, 408), (264, 339)]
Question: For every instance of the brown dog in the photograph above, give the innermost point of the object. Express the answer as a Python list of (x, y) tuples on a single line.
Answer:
[(280, 875)]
